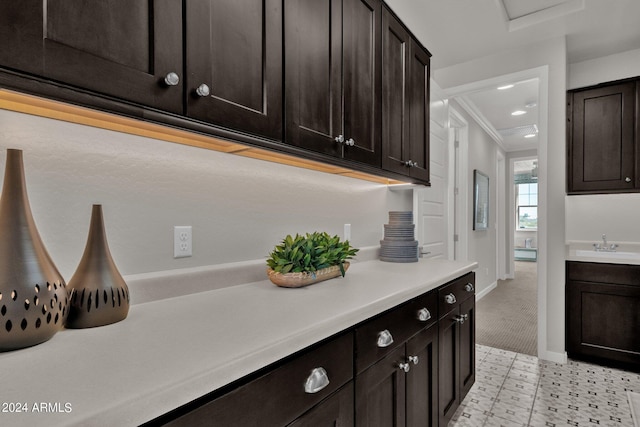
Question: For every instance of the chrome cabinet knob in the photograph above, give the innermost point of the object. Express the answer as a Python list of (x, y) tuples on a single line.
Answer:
[(461, 319), (404, 367), (424, 315), (350, 142), (385, 339), (339, 139), (627, 179), (172, 79), (469, 287), (450, 299), (413, 359), (203, 90), (410, 164), (316, 381)]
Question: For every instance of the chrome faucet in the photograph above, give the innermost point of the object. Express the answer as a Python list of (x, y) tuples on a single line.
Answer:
[(604, 246)]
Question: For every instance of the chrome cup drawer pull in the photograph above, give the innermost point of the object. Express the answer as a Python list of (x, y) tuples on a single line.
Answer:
[(317, 380), (385, 339), (424, 315), (450, 299)]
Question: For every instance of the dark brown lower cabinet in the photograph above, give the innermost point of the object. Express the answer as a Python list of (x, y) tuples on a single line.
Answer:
[(278, 397), (401, 368), (381, 393), (603, 313), (456, 351), (422, 380), (336, 411), (401, 389)]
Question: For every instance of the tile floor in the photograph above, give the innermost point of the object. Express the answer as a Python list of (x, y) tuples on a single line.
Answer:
[(513, 389)]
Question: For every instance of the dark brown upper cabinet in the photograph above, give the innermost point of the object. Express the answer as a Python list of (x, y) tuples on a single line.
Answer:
[(602, 138), (131, 50), (234, 64), (332, 77), (405, 101)]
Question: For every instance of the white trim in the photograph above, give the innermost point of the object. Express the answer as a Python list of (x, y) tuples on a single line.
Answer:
[(457, 121), (553, 356), (544, 15), (470, 107), (483, 293), (501, 208)]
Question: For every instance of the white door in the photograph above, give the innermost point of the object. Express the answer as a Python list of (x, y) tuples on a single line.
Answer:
[(430, 204)]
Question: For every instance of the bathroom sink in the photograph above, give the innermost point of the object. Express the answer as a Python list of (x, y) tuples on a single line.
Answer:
[(612, 255)]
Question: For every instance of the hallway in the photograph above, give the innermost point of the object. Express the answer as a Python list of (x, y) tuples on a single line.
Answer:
[(507, 318)]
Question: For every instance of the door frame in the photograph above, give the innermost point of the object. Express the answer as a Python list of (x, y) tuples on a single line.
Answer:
[(542, 74)]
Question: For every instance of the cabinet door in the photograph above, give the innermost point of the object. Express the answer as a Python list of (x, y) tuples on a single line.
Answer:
[(380, 393), (362, 80), (449, 368), (602, 139), (418, 95), (336, 411), (603, 322), (467, 359), (121, 48), (234, 47), (313, 69), (422, 380), (405, 101), (396, 47)]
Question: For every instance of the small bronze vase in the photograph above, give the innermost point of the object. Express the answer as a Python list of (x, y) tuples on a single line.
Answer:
[(33, 294), (99, 294)]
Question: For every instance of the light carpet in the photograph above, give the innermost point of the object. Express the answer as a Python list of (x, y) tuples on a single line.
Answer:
[(507, 317), (634, 403)]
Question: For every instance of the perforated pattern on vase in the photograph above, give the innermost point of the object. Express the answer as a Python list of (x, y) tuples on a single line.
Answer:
[(87, 300), (41, 309)]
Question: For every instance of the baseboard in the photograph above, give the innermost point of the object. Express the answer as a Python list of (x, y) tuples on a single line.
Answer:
[(553, 356), (485, 291)]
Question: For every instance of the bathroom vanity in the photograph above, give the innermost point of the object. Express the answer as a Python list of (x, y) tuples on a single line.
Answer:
[(603, 312)]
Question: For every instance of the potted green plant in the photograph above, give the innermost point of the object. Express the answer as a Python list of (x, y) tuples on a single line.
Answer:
[(310, 258)]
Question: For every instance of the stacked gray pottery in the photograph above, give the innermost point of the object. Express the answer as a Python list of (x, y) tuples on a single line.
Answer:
[(399, 244)]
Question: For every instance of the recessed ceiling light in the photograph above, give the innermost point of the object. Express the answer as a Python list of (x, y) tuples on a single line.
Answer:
[(530, 135), (531, 104), (505, 87), (518, 113)]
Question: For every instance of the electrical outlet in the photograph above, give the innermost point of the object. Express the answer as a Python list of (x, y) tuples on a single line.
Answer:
[(182, 241), (347, 232)]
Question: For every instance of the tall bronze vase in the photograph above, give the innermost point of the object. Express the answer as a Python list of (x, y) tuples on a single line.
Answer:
[(99, 294), (33, 294)]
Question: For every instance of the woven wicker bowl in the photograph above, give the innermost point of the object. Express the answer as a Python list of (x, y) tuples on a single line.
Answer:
[(298, 280)]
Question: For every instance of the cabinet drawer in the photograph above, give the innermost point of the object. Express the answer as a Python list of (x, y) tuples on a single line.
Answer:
[(451, 295), (381, 335), (279, 397)]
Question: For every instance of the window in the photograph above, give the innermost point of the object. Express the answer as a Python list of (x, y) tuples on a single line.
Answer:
[(527, 205)]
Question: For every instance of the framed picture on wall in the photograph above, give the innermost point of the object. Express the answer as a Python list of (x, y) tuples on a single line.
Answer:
[(480, 200)]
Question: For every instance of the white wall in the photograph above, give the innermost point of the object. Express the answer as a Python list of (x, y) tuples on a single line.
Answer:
[(239, 207), (590, 216), (481, 243), (605, 69), (552, 169)]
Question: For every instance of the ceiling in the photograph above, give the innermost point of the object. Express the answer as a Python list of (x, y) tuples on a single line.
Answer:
[(457, 31)]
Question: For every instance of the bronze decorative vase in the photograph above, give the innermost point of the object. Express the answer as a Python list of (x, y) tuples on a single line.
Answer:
[(99, 294), (33, 294)]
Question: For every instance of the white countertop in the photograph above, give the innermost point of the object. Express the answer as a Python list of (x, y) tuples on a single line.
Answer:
[(625, 253), (169, 352)]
